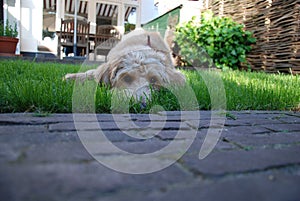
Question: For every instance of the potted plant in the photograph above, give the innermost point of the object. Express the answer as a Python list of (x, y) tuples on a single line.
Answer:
[(8, 40)]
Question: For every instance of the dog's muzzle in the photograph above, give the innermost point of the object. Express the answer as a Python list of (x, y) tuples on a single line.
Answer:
[(141, 95)]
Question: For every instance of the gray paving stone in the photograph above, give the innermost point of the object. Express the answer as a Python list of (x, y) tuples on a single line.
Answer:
[(119, 136), (142, 147), (259, 114), (37, 136), (255, 158), (70, 126), (295, 114), (238, 161), (283, 127), (290, 120), (256, 118), (250, 188), (29, 118), (255, 122), (9, 153), (237, 122), (273, 139), (30, 129), (90, 181), (54, 152), (244, 130), (169, 135)]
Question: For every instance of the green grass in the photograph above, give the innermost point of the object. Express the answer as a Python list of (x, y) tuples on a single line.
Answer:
[(255, 91), (38, 87)]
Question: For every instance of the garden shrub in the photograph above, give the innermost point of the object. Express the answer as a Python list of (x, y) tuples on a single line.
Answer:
[(214, 39)]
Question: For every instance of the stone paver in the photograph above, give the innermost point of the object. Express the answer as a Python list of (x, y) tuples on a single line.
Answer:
[(257, 157)]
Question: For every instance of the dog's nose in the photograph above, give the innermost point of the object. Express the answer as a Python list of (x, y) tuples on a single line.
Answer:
[(143, 93), (143, 105)]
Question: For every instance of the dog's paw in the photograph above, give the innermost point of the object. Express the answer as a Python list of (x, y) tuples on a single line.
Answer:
[(78, 77), (69, 76)]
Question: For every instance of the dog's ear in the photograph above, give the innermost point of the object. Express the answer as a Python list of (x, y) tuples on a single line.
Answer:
[(107, 72), (175, 77), (102, 74)]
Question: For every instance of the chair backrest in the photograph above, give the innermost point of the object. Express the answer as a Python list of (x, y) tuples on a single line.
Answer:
[(67, 32), (107, 36)]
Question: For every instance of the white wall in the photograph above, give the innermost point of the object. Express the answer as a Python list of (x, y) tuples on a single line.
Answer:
[(12, 14), (148, 11), (189, 9), (32, 24), (29, 16)]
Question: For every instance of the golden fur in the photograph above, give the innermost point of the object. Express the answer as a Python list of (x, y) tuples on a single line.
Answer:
[(140, 60)]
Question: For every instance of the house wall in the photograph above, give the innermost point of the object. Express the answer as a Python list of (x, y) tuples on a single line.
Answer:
[(11, 12), (148, 11), (189, 8), (160, 23), (28, 14), (31, 25), (174, 15)]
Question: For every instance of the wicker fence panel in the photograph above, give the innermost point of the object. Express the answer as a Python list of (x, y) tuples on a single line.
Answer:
[(276, 26)]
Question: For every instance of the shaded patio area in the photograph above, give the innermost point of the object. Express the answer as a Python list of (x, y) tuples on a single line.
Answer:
[(97, 13)]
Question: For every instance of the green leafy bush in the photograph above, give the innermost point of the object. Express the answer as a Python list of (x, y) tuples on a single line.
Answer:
[(214, 39)]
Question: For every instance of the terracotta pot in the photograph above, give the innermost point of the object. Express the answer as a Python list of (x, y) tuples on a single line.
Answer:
[(8, 44)]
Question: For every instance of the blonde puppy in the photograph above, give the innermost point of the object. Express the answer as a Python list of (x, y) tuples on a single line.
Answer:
[(140, 61)]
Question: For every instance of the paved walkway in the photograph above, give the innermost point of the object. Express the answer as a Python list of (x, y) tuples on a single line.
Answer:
[(257, 157)]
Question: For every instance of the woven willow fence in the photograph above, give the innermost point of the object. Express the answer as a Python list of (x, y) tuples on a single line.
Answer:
[(276, 26)]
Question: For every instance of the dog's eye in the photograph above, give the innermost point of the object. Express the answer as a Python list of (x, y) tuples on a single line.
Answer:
[(153, 80), (128, 79)]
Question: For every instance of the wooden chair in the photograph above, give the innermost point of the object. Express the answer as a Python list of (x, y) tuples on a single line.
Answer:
[(106, 37), (66, 37)]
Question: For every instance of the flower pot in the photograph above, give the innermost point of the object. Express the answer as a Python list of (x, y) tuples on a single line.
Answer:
[(8, 45)]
